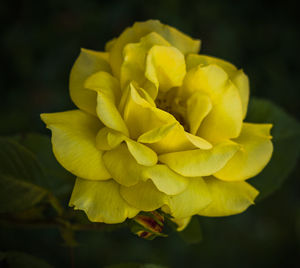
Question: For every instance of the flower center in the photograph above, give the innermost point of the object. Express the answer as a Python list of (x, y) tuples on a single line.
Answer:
[(170, 103)]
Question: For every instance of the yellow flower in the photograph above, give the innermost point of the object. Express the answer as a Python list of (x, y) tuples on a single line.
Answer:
[(158, 126)]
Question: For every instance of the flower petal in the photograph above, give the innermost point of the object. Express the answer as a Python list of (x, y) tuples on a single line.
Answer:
[(166, 180), (198, 107), (225, 118), (156, 134), (255, 152), (73, 140), (133, 66), (140, 116), (182, 223), (193, 199), (165, 67), (133, 34), (238, 77), (101, 201), (107, 89), (122, 166), (144, 196), (194, 163), (108, 139), (142, 154), (228, 198), (87, 63)]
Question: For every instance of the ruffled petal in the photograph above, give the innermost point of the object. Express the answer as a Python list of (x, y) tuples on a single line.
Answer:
[(133, 34), (122, 166), (173, 138), (87, 63), (101, 201), (73, 141), (107, 88), (165, 67), (238, 77), (228, 198), (193, 199), (166, 180), (254, 154), (144, 196), (194, 163), (225, 118)]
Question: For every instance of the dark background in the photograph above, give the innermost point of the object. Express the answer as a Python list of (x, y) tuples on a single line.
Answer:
[(40, 40)]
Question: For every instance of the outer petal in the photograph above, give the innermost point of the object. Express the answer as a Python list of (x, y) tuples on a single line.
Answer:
[(238, 77), (228, 198), (195, 163), (144, 196), (87, 63), (165, 67), (193, 199), (73, 141), (101, 201), (182, 223), (133, 34), (254, 154)]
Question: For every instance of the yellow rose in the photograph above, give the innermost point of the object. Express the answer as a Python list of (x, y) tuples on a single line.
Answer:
[(158, 126)]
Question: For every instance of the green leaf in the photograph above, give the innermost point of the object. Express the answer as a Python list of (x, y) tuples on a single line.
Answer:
[(58, 179), (286, 141), (21, 179), (192, 234), (15, 259)]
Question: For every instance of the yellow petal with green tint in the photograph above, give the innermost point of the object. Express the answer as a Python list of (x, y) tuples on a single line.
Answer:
[(238, 77), (254, 154), (87, 63), (194, 163), (73, 140), (156, 134), (133, 34), (198, 107), (142, 154), (108, 139), (101, 201), (144, 196), (122, 166), (166, 180), (198, 142), (140, 116), (193, 199), (228, 198), (165, 67)]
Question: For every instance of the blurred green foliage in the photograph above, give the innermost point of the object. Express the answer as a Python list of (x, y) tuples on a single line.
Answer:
[(40, 41)]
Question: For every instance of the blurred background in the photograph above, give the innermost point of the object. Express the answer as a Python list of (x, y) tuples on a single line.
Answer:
[(40, 40)]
